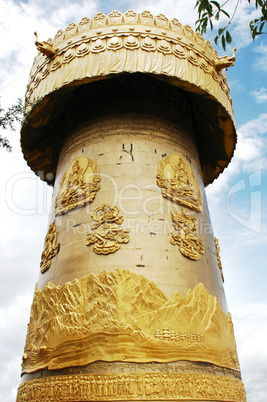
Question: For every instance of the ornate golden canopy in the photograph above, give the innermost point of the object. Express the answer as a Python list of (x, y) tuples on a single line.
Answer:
[(109, 46)]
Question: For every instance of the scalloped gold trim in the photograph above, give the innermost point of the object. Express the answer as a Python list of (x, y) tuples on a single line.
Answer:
[(135, 33)]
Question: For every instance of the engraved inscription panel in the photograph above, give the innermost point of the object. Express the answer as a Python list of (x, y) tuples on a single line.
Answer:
[(133, 387)]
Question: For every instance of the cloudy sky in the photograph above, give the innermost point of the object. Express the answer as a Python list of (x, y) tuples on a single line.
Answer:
[(237, 199)]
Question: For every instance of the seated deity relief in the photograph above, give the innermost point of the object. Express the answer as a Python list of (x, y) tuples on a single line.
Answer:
[(189, 245), (108, 235), (178, 182), (50, 248), (78, 185)]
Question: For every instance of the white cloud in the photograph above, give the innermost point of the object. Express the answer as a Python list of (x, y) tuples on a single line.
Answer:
[(12, 332), (250, 156), (251, 335), (260, 95), (260, 61), (180, 9), (19, 21)]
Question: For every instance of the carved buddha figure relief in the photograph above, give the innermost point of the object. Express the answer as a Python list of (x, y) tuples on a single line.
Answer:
[(78, 185), (178, 182), (217, 248), (50, 248), (109, 234), (189, 245)]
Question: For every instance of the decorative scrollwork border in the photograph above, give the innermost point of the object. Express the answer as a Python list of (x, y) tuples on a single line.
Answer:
[(133, 387)]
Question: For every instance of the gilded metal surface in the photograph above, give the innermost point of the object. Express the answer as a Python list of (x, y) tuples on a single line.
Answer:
[(133, 387), (176, 337), (122, 316), (129, 43), (225, 61), (109, 234), (45, 48), (78, 185), (189, 245), (118, 367), (50, 248), (172, 49), (217, 247), (178, 182)]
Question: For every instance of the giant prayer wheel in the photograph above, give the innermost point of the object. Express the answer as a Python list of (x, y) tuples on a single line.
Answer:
[(129, 117)]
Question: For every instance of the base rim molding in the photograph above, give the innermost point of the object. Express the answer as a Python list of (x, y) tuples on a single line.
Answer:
[(150, 387)]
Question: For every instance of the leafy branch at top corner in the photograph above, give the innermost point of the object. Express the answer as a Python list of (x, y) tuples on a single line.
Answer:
[(210, 11), (8, 119), (256, 25)]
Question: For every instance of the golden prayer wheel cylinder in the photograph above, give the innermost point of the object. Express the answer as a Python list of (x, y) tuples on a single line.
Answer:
[(129, 117)]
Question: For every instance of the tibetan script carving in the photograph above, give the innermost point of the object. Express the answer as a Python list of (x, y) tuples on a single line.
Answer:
[(78, 186), (217, 247), (186, 225), (88, 316), (50, 248), (132, 387), (109, 234), (178, 182)]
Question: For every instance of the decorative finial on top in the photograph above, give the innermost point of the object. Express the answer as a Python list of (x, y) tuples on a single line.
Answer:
[(44, 47), (225, 61)]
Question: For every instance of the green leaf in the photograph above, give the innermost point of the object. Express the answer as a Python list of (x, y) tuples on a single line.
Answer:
[(223, 42), (227, 15), (253, 33), (261, 27), (216, 4), (228, 37), (209, 9), (211, 25)]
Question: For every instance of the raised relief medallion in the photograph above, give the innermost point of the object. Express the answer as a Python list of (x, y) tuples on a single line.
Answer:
[(178, 182), (50, 248), (189, 245), (78, 185), (108, 235)]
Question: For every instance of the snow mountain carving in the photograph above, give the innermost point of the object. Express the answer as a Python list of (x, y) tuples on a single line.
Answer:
[(122, 316)]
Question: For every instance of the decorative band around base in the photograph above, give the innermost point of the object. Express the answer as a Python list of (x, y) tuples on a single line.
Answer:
[(133, 387)]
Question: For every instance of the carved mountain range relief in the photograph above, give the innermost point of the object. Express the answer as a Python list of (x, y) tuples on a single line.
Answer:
[(122, 316)]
